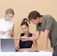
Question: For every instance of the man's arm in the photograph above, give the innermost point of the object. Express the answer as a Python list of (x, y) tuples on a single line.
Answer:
[(34, 37), (35, 45), (46, 35)]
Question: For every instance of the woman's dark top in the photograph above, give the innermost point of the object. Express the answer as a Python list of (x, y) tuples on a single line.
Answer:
[(25, 44)]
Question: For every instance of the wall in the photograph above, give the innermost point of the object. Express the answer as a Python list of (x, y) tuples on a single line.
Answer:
[(22, 9)]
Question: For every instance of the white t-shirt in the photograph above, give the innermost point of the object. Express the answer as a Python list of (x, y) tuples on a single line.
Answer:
[(5, 26)]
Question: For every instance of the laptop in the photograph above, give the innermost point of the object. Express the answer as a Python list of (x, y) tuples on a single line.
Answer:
[(7, 45)]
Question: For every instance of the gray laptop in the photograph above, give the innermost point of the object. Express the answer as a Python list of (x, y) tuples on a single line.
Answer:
[(7, 45)]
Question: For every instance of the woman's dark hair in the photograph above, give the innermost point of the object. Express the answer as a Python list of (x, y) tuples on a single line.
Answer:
[(25, 22), (34, 15)]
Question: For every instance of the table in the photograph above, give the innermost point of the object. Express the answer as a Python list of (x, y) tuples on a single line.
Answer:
[(41, 53), (25, 53)]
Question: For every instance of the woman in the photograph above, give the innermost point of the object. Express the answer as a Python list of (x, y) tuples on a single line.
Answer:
[(6, 25), (25, 45)]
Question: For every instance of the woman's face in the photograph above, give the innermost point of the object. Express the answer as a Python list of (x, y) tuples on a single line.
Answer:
[(9, 16), (25, 29)]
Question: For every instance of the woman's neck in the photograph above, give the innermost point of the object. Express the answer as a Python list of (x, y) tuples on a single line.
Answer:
[(6, 18), (26, 34)]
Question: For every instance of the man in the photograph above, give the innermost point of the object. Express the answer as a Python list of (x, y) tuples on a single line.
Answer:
[(48, 25)]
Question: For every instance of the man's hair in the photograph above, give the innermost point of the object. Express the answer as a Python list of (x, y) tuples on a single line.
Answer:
[(34, 15), (9, 11)]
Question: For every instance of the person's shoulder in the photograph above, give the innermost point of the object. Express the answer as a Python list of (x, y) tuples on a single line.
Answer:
[(30, 34), (48, 16), (11, 23), (1, 19)]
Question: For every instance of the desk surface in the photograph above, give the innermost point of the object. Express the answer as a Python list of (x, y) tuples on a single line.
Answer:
[(41, 53)]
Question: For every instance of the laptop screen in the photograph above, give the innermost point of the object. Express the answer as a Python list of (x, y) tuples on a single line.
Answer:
[(7, 45)]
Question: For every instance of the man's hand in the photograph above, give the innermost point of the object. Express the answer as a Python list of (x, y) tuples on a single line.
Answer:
[(46, 50)]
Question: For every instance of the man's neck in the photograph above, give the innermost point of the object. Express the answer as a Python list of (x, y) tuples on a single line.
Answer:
[(41, 19)]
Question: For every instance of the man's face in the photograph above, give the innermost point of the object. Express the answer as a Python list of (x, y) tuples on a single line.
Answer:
[(35, 21)]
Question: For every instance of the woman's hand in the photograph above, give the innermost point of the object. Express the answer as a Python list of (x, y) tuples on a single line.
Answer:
[(10, 32), (23, 38), (2, 32)]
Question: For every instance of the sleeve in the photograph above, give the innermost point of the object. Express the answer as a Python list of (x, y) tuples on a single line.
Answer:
[(49, 23)]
